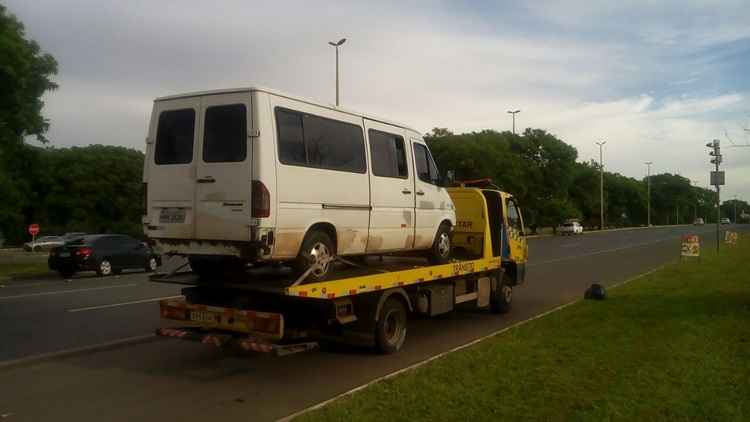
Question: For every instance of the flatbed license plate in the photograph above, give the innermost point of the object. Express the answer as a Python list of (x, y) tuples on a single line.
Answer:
[(202, 316), (172, 215)]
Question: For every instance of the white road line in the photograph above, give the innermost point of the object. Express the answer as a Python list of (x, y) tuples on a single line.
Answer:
[(455, 349), (622, 248), (60, 292), (114, 305)]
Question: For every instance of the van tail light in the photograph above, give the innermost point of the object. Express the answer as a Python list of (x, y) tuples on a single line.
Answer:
[(84, 252), (145, 199), (260, 200)]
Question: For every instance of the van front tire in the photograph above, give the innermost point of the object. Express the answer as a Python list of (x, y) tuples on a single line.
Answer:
[(440, 252)]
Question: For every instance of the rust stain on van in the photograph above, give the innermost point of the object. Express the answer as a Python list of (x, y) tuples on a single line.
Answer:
[(287, 244)]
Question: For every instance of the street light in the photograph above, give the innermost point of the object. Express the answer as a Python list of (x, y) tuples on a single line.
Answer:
[(717, 159), (336, 45), (513, 113), (648, 195), (601, 185)]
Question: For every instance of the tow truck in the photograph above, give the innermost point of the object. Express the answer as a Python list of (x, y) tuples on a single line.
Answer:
[(368, 302)]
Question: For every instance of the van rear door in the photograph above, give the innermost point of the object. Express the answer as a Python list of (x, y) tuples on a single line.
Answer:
[(170, 168), (223, 175)]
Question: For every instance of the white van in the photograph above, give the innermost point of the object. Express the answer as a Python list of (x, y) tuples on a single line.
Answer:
[(251, 175)]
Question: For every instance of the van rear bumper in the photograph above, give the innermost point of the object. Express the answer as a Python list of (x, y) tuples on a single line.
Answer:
[(251, 251)]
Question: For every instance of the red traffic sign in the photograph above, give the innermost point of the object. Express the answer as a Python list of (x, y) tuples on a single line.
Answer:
[(34, 229)]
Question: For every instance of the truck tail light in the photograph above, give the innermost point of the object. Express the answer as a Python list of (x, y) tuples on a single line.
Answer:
[(260, 200)]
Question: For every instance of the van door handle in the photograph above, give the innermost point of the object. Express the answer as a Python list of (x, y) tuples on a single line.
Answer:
[(207, 179), (406, 191), (420, 192)]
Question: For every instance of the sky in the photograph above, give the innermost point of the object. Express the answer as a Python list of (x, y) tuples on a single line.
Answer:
[(655, 80)]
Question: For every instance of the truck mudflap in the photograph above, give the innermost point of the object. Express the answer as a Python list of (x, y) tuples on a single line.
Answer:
[(224, 340)]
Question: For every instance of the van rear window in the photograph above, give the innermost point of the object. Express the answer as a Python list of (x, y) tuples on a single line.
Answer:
[(174, 137), (225, 134), (312, 141)]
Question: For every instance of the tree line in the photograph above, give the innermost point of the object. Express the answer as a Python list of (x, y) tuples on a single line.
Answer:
[(542, 171)]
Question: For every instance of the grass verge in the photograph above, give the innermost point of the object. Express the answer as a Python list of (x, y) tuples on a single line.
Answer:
[(672, 345), (22, 265)]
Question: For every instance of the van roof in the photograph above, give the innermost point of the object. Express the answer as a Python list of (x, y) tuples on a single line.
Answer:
[(281, 94)]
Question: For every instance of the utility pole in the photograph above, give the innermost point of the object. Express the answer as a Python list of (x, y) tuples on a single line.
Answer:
[(717, 179), (601, 185), (648, 194), (336, 45), (513, 113)]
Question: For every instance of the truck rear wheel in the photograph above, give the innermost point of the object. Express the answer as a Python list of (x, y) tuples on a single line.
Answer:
[(502, 295), (390, 330)]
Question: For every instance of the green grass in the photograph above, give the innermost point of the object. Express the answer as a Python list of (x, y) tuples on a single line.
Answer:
[(22, 265), (673, 345)]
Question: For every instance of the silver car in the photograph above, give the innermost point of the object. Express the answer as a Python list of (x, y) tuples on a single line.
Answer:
[(44, 243)]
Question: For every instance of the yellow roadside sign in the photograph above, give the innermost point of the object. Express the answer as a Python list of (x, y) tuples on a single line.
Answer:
[(691, 246)]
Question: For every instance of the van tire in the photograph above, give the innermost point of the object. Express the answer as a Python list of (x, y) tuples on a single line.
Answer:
[(317, 245), (440, 253), (390, 330)]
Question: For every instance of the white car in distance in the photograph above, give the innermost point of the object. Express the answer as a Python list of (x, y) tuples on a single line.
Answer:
[(570, 228)]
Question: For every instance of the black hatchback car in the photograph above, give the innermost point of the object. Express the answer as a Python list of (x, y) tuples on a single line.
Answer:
[(104, 253)]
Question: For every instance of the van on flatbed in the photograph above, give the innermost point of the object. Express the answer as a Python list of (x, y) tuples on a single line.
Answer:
[(367, 303), (254, 176)]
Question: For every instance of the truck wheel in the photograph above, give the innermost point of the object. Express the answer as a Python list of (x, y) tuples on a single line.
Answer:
[(502, 296), (441, 246), (316, 248), (390, 331)]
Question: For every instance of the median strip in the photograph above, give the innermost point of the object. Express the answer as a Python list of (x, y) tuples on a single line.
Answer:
[(114, 305)]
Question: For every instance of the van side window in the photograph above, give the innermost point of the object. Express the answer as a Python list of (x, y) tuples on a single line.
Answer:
[(326, 143), (426, 169), (225, 134), (174, 137), (388, 155), (291, 140)]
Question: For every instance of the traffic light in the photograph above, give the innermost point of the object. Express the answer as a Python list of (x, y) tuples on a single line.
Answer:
[(715, 152)]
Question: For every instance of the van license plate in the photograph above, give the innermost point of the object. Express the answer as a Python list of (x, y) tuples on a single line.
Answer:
[(172, 215), (202, 316)]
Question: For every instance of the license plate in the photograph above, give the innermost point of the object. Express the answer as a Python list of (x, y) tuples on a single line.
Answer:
[(202, 316), (172, 215), (64, 254)]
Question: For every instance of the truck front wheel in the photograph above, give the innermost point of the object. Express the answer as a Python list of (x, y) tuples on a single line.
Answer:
[(502, 295), (390, 330)]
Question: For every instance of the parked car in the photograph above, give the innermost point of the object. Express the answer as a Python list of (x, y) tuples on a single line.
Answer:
[(570, 228), (726, 221), (251, 176), (43, 243), (698, 222), (104, 253), (71, 236)]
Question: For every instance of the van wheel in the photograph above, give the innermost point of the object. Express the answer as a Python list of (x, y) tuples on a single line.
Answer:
[(440, 252), (317, 248), (390, 330), (502, 296)]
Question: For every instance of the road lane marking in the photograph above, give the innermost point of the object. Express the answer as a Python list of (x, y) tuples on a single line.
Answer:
[(411, 367), (622, 248), (60, 292), (114, 305)]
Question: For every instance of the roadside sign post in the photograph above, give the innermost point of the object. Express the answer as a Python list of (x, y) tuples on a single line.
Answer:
[(691, 246), (33, 231)]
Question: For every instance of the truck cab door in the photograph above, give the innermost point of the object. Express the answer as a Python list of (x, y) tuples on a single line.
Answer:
[(518, 247)]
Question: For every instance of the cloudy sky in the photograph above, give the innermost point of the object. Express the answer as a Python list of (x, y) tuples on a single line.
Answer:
[(656, 80)]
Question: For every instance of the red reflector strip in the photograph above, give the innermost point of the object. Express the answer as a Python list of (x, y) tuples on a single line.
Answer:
[(353, 291), (401, 283), (171, 332), (377, 287), (256, 346), (302, 294), (331, 295)]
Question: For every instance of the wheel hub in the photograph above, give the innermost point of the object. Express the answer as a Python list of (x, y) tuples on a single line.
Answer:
[(444, 244), (320, 256)]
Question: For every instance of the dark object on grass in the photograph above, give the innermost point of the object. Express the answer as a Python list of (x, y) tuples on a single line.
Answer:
[(596, 292)]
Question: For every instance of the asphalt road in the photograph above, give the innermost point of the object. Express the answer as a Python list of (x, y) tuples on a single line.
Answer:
[(185, 381)]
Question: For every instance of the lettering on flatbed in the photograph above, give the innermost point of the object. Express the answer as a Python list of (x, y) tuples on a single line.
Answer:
[(464, 224), (463, 267)]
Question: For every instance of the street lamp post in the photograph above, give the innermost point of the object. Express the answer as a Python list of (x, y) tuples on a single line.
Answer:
[(336, 45), (513, 113), (648, 192), (601, 185)]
